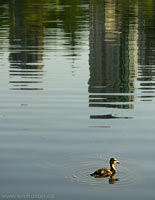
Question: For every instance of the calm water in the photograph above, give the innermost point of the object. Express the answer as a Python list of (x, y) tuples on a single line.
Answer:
[(77, 87)]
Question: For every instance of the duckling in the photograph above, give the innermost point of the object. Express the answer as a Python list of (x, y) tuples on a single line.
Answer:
[(105, 172)]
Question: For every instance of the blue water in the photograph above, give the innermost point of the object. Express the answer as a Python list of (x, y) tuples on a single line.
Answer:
[(77, 88)]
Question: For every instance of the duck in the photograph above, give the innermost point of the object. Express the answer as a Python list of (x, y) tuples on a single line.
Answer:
[(105, 172)]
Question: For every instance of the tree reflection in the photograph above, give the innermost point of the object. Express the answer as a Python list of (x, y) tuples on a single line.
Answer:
[(26, 43), (30, 22)]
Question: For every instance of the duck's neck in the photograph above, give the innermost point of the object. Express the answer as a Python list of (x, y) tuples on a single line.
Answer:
[(112, 169)]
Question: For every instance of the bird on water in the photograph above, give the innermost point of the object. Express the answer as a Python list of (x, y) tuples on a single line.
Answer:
[(105, 172)]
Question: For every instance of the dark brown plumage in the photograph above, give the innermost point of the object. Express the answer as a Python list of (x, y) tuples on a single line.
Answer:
[(105, 172)]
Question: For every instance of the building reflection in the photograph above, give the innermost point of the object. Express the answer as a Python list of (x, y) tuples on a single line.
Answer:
[(147, 53), (113, 56), (26, 45)]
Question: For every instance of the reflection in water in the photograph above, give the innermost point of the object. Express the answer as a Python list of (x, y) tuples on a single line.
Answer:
[(38, 29), (113, 57), (147, 54), (113, 180), (147, 79), (110, 116), (4, 30), (26, 45), (119, 52)]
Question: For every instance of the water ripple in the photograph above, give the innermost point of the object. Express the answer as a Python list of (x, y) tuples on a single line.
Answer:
[(126, 173)]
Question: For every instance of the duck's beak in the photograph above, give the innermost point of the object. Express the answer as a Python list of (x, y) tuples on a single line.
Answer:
[(118, 162)]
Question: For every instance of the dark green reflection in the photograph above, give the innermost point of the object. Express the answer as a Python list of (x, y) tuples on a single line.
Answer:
[(32, 23), (26, 44), (71, 17)]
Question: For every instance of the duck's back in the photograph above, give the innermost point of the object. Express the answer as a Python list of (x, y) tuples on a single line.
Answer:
[(103, 172)]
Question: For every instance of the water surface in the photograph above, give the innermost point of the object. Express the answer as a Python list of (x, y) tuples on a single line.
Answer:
[(77, 87)]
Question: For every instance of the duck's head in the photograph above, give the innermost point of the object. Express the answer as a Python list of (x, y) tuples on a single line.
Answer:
[(114, 161)]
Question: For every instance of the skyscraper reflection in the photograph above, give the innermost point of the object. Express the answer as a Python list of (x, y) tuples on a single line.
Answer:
[(113, 56)]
